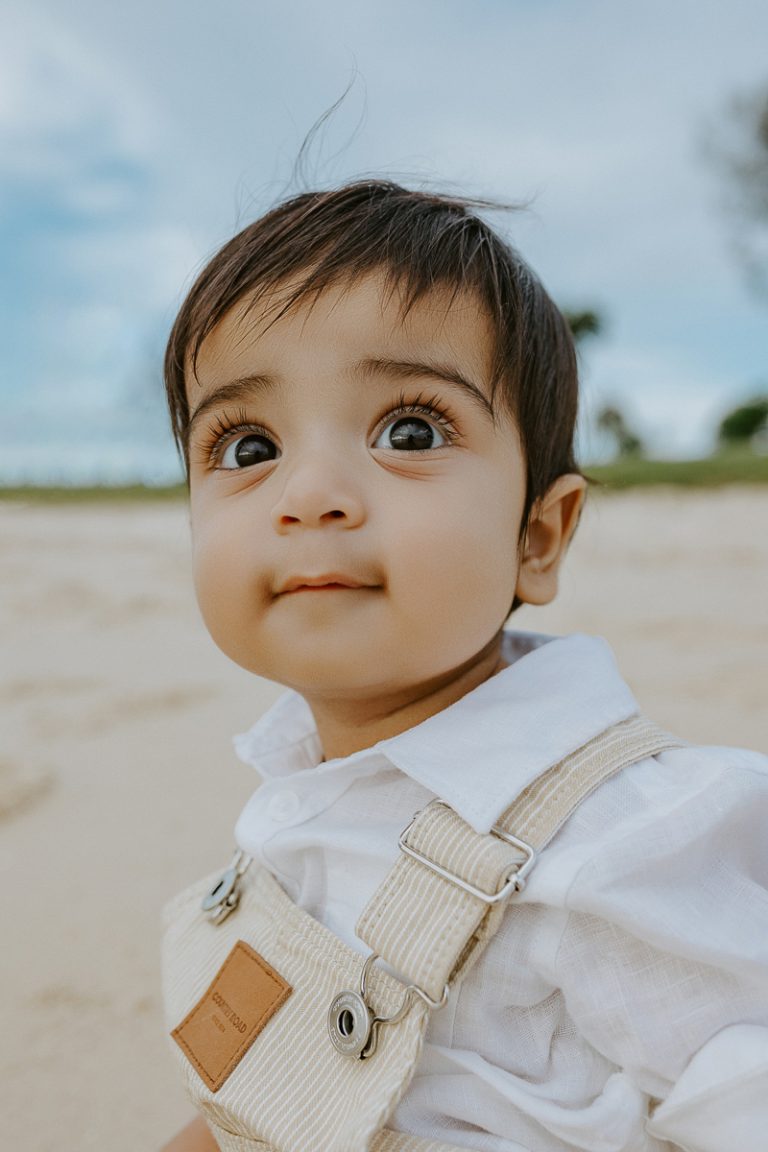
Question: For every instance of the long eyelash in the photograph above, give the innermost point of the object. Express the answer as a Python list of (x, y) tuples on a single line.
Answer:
[(425, 405), (224, 426)]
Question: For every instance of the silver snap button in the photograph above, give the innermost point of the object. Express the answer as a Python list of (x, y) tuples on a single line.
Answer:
[(349, 1024), (224, 897), (222, 891)]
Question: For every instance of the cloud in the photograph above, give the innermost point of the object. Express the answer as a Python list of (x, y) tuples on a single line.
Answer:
[(92, 269), (135, 138), (55, 89), (667, 397)]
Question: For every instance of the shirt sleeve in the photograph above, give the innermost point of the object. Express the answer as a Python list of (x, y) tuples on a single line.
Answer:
[(664, 959)]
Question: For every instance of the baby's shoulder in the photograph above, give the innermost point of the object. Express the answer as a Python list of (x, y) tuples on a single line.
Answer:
[(702, 799), (700, 782), (699, 767), (727, 756)]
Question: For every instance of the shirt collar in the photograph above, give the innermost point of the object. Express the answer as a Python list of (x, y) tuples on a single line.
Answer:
[(282, 741), (482, 751)]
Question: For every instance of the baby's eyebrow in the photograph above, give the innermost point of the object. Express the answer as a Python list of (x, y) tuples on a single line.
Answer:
[(235, 392), (243, 389), (412, 369)]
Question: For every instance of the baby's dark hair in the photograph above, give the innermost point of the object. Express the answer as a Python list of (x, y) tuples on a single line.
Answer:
[(421, 241)]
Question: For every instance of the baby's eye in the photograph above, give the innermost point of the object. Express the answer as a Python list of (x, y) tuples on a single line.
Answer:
[(254, 448), (410, 434)]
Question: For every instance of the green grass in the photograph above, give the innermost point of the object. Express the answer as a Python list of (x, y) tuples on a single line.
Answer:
[(101, 494), (712, 472)]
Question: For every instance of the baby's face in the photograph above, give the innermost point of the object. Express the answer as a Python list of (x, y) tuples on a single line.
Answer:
[(355, 511)]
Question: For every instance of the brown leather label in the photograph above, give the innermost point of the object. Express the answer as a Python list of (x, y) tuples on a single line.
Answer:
[(245, 993)]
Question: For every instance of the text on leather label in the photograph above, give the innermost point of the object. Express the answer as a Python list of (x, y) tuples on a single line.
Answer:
[(245, 993)]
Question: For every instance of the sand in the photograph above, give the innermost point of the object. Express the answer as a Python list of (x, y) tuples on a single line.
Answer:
[(118, 784)]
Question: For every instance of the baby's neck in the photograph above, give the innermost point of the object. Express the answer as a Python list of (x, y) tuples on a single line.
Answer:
[(347, 726)]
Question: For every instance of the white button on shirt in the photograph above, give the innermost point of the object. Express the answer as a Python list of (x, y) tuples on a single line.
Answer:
[(624, 1001), (284, 807)]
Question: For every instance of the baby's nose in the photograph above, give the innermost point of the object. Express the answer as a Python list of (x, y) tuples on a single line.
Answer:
[(318, 497)]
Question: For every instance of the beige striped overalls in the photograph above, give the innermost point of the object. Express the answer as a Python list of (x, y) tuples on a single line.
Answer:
[(288, 1040)]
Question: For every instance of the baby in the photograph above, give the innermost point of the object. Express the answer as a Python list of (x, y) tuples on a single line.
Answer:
[(567, 948)]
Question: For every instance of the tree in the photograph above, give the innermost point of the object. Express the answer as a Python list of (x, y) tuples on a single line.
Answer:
[(743, 424), (743, 155), (611, 420), (584, 323)]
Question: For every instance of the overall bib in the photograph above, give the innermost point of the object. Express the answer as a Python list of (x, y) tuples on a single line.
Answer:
[(289, 1040)]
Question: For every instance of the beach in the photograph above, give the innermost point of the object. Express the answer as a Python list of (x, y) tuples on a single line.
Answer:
[(119, 785)]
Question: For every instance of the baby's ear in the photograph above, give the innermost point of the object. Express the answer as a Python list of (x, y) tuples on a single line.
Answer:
[(551, 524)]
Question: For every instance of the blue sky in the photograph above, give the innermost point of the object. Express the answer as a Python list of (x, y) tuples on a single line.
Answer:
[(134, 139)]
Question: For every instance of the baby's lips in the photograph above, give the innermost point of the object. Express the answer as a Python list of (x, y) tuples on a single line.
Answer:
[(336, 579)]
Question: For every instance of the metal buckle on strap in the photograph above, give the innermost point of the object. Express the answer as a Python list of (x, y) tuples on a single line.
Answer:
[(353, 1026), (514, 881)]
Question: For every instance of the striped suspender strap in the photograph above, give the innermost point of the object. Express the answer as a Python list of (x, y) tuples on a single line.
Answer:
[(446, 894)]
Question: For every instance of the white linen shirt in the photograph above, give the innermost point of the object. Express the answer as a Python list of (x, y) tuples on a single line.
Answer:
[(623, 1004)]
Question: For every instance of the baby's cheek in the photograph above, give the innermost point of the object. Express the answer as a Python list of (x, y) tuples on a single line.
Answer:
[(213, 580), (459, 586), (210, 594), (491, 574)]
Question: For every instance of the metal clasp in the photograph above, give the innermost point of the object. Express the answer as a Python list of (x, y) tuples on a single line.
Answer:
[(514, 881), (224, 897), (353, 1026)]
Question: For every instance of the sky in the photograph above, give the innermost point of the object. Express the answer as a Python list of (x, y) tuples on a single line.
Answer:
[(136, 138)]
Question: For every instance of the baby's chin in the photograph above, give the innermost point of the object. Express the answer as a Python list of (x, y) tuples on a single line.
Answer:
[(322, 680), (362, 680)]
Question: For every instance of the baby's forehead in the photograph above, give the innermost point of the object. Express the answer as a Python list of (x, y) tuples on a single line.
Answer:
[(378, 292), (359, 320)]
